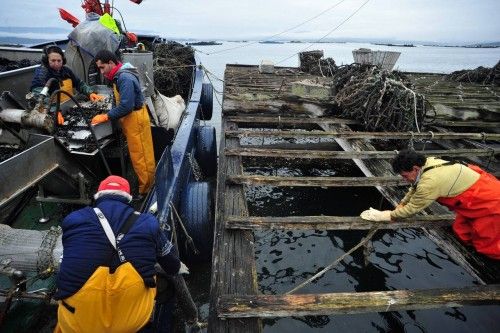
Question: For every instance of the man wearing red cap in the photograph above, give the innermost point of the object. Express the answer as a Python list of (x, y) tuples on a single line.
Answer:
[(106, 281)]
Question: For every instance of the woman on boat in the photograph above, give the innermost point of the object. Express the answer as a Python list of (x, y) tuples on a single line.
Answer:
[(472, 193), (106, 281), (53, 66), (132, 112)]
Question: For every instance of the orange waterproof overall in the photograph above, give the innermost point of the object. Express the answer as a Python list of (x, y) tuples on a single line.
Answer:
[(137, 130), (477, 220)]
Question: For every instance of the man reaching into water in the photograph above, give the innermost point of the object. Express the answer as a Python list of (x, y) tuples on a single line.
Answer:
[(472, 193)]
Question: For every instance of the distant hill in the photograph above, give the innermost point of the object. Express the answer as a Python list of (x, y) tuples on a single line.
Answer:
[(486, 45), (44, 30), (22, 41)]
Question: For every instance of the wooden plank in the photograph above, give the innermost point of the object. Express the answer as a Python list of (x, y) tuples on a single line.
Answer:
[(329, 154), (315, 181), (333, 222), (269, 306), (464, 123), (233, 264), (365, 135), (289, 120)]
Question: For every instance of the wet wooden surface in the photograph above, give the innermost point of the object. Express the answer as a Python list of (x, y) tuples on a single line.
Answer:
[(265, 101), (270, 306), (333, 222)]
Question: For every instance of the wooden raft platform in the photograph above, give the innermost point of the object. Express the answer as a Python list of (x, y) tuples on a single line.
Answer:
[(262, 107)]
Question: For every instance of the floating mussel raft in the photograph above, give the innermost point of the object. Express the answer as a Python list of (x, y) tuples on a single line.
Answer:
[(287, 138)]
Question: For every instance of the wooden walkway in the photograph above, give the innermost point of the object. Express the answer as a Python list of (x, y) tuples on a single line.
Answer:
[(260, 108)]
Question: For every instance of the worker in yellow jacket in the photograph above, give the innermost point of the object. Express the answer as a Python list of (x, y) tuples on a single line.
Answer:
[(133, 115), (472, 193)]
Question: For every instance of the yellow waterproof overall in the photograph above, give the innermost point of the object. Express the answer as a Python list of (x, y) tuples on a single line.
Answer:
[(137, 130), (117, 302), (67, 86)]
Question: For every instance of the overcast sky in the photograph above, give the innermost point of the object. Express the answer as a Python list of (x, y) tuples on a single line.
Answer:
[(452, 21)]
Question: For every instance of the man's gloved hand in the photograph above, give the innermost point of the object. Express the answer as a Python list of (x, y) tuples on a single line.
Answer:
[(376, 215), (183, 269), (100, 118), (60, 118), (96, 98)]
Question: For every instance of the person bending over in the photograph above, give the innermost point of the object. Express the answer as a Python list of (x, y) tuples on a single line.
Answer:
[(472, 193)]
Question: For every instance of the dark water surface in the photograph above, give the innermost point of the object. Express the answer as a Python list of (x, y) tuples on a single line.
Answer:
[(400, 259)]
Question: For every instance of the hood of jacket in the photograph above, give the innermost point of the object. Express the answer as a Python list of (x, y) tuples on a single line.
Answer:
[(127, 67)]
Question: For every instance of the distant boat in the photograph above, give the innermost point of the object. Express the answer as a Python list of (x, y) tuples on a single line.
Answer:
[(204, 43), (270, 42), (400, 45)]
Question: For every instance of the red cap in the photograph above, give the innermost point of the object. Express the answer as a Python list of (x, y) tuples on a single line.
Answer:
[(114, 183)]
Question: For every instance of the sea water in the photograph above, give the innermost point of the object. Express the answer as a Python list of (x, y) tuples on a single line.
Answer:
[(422, 59), (400, 259)]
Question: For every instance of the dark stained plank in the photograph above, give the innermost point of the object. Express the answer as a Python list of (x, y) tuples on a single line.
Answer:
[(288, 120), (329, 154), (270, 306), (315, 181), (365, 135), (333, 222), (233, 264)]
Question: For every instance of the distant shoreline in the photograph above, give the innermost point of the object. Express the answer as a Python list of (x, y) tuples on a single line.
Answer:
[(26, 41)]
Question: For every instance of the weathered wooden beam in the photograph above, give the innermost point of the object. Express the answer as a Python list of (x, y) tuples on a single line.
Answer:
[(465, 123), (269, 306), (329, 154), (365, 135), (333, 222), (233, 265), (289, 120), (315, 181)]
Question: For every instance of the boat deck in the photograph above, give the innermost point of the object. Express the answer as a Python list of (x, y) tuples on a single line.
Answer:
[(264, 124)]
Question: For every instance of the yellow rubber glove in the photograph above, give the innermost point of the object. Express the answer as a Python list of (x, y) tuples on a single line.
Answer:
[(60, 118), (376, 215), (96, 98), (100, 118)]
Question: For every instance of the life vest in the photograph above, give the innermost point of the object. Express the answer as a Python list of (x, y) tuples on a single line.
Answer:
[(137, 129)]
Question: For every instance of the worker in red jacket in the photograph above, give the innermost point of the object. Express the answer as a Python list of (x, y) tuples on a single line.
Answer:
[(472, 193)]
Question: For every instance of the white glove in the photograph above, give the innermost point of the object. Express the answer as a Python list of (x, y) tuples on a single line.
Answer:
[(376, 215), (183, 269)]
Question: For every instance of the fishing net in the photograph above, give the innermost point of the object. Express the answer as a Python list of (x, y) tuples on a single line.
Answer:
[(173, 68), (380, 100), (311, 62), (482, 75)]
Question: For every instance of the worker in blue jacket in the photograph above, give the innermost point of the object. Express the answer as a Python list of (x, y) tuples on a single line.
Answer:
[(131, 110), (106, 281), (53, 66)]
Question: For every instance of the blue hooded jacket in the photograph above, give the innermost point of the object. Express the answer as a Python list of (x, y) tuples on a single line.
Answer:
[(128, 85), (86, 246)]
